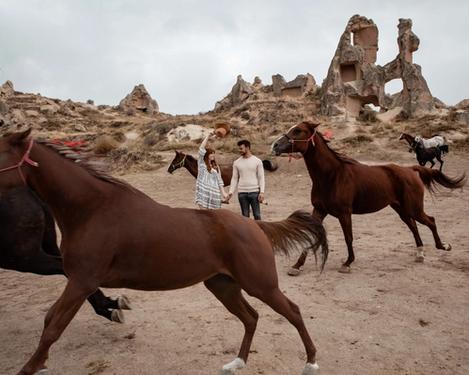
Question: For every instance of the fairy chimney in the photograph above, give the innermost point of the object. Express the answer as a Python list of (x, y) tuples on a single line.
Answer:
[(139, 100)]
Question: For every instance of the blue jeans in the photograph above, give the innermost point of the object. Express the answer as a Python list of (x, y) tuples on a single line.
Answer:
[(247, 200)]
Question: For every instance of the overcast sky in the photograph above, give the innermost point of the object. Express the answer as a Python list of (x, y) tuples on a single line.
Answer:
[(188, 53)]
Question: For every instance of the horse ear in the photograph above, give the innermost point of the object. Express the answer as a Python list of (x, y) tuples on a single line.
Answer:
[(176, 151), (18, 138)]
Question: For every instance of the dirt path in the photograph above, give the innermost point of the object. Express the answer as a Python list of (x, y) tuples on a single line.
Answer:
[(389, 316)]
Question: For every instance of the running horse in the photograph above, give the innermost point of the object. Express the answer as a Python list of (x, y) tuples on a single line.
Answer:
[(29, 244), (426, 149), (343, 186), (143, 249)]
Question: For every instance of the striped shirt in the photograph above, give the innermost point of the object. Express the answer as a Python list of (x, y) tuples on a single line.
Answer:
[(207, 187)]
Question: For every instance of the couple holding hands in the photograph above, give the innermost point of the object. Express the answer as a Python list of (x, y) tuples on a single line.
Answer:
[(248, 179)]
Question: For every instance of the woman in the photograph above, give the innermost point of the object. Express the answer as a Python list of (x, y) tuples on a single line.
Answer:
[(209, 189)]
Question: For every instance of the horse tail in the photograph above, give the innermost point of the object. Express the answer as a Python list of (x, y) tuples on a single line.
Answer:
[(299, 231), (269, 165), (431, 177)]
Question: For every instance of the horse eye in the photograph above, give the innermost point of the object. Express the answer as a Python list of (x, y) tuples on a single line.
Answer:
[(296, 131)]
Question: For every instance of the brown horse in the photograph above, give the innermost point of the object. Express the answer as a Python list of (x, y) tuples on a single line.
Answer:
[(191, 164), (115, 236), (343, 186)]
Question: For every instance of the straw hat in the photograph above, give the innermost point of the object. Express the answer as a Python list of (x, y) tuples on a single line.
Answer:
[(222, 129)]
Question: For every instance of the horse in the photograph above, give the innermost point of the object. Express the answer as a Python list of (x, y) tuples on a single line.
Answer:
[(426, 154), (343, 186), (115, 236), (190, 163), (28, 244)]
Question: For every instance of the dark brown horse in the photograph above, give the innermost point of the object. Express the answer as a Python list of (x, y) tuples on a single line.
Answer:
[(28, 243), (115, 236), (190, 163), (343, 186)]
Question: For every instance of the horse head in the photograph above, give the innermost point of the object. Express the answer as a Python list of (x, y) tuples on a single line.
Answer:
[(178, 161), (14, 159), (297, 139)]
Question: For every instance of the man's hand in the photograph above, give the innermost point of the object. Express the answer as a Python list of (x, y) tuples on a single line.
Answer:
[(261, 197), (228, 197)]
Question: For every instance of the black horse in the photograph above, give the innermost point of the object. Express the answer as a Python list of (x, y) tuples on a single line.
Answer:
[(28, 244), (425, 154)]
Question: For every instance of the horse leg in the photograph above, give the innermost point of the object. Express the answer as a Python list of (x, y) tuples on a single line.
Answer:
[(283, 306), (296, 268), (346, 224), (57, 319), (109, 308), (438, 157), (412, 225), (429, 221), (228, 292)]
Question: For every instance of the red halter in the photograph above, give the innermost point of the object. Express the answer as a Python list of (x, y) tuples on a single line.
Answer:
[(24, 159), (292, 141)]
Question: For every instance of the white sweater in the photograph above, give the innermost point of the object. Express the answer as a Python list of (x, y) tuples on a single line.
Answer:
[(248, 175)]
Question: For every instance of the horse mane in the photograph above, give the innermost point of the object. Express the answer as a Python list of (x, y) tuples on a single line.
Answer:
[(80, 157), (189, 156), (339, 156)]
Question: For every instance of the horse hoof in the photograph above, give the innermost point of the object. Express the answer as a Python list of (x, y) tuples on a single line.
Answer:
[(117, 316), (230, 368), (294, 271), (311, 369), (345, 269), (446, 247), (419, 258), (124, 303)]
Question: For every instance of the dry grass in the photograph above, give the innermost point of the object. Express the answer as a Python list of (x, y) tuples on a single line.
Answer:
[(357, 140), (105, 144)]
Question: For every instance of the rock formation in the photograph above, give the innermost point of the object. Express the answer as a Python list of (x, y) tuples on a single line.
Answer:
[(354, 79), (139, 100), (300, 85), (415, 98), (243, 91)]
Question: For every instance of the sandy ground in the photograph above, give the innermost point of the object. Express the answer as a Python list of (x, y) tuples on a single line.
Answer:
[(389, 316)]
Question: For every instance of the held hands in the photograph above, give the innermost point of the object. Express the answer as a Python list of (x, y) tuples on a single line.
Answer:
[(261, 197), (226, 198)]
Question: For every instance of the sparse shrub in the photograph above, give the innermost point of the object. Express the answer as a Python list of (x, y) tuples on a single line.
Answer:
[(150, 140), (105, 144), (119, 136), (164, 128), (245, 115), (356, 140)]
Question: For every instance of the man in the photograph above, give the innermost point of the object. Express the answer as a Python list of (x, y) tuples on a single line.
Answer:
[(248, 177)]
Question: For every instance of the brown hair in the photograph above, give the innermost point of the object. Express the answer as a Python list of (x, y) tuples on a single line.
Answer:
[(208, 163)]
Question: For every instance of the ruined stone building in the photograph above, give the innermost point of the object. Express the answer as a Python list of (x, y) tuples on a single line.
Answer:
[(354, 79), (243, 90)]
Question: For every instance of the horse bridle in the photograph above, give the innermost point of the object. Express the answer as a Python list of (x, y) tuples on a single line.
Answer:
[(180, 164), (292, 142), (24, 159)]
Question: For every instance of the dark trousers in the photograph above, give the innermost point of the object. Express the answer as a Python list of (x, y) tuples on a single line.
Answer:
[(247, 200)]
